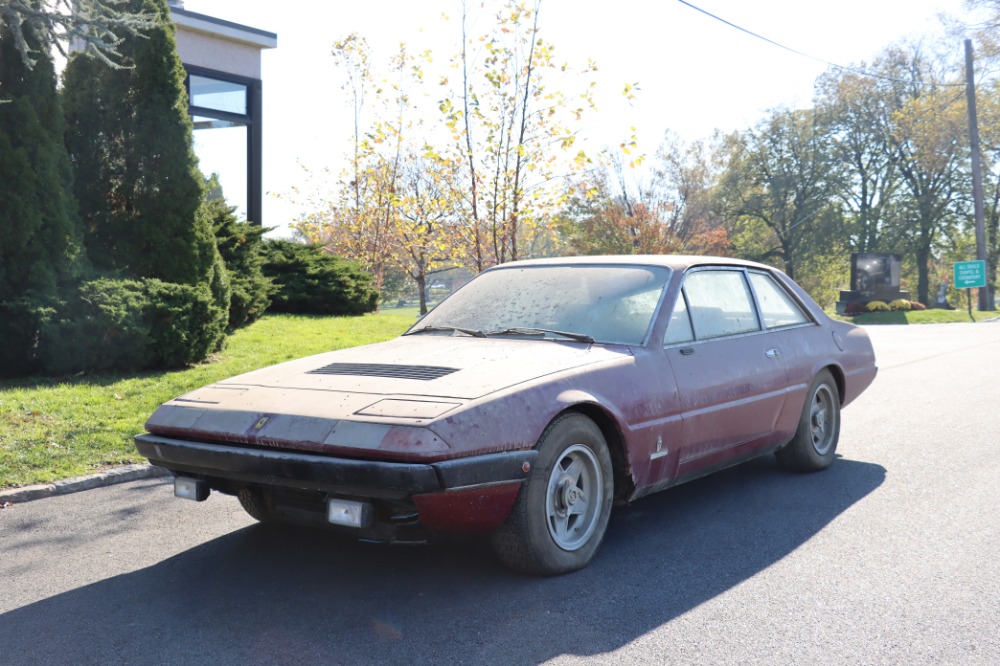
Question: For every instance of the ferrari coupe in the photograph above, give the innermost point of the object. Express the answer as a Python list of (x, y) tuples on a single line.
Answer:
[(527, 404)]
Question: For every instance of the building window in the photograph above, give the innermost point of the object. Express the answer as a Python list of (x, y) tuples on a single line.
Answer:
[(221, 147), (226, 111), (217, 95)]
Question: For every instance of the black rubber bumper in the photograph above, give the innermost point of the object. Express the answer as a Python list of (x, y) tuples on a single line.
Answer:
[(290, 469)]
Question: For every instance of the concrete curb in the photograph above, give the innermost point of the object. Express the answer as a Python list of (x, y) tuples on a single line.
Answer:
[(109, 477)]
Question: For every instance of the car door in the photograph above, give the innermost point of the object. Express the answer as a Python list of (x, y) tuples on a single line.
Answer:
[(730, 376), (792, 332)]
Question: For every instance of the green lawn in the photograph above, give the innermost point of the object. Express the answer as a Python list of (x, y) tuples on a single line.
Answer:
[(53, 429), (921, 317)]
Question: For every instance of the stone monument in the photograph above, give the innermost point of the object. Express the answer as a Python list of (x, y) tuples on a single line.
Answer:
[(874, 277)]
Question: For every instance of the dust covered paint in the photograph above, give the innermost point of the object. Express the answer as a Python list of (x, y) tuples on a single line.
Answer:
[(680, 366)]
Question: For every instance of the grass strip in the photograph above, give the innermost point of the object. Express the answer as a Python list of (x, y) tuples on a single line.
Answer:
[(56, 428), (920, 317)]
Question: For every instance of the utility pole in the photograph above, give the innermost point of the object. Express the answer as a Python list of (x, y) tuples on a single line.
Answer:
[(977, 172)]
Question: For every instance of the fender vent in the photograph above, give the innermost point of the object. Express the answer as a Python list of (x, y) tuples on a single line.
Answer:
[(422, 372)]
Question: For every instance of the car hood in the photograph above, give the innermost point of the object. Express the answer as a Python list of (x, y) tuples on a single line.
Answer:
[(408, 381), (460, 368)]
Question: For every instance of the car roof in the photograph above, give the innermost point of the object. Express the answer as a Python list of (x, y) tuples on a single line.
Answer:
[(678, 262)]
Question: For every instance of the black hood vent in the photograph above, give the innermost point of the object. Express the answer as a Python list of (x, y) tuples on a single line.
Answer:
[(422, 372)]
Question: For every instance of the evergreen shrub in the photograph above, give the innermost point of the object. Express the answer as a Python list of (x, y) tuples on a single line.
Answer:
[(129, 325), (309, 281), (20, 321), (240, 246)]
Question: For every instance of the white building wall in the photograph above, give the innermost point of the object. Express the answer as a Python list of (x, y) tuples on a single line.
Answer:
[(212, 52)]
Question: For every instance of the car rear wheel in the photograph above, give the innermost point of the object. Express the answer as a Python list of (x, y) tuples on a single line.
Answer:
[(257, 505), (815, 443), (562, 511)]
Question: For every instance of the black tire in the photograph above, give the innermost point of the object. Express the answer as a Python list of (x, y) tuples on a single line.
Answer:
[(815, 443), (255, 503), (562, 511)]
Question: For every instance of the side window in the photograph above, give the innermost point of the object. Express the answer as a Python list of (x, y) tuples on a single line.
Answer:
[(720, 303), (679, 328), (776, 306)]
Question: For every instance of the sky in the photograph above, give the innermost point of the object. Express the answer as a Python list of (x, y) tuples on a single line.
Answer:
[(694, 74)]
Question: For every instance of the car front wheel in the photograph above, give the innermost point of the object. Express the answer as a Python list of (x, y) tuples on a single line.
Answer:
[(562, 511), (815, 442)]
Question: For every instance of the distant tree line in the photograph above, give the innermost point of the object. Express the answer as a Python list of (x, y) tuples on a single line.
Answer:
[(879, 162)]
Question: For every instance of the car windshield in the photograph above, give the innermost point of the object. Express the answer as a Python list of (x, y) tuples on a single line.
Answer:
[(600, 303)]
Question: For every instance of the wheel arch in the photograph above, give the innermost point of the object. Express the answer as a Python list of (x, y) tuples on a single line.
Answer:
[(838, 377), (608, 425)]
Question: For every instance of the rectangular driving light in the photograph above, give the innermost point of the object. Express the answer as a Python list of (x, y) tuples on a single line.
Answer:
[(349, 513), (191, 489)]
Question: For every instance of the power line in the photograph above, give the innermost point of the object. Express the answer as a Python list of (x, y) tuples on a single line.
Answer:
[(852, 70)]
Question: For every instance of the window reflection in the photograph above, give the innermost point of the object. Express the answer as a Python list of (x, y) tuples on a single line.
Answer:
[(218, 95), (222, 149)]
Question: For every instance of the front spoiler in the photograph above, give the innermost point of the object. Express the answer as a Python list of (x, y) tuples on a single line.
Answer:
[(361, 478)]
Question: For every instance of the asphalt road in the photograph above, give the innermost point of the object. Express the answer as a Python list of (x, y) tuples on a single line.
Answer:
[(888, 557)]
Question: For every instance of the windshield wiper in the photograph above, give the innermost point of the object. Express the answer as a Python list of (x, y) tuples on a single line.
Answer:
[(468, 331), (525, 330)]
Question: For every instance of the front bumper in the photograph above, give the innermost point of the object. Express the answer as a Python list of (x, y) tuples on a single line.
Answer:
[(242, 465)]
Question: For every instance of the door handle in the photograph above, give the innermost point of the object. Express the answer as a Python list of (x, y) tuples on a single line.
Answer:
[(772, 353), (687, 351)]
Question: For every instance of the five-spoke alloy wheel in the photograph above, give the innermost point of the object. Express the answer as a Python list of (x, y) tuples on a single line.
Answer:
[(562, 511)]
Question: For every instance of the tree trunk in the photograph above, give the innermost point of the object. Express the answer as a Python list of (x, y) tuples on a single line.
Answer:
[(788, 257), (923, 273), (421, 281)]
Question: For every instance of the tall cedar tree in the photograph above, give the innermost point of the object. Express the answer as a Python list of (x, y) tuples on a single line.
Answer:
[(137, 180), (39, 234)]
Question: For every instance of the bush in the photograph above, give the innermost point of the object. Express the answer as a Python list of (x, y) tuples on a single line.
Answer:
[(128, 325), (854, 308), (877, 306), (240, 245), (20, 322), (219, 283), (309, 281), (900, 305), (916, 305)]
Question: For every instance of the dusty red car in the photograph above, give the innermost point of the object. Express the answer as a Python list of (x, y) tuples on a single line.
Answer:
[(528, 402)]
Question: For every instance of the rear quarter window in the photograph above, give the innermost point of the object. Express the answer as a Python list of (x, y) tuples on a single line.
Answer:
[(720, 303), (777, 307)]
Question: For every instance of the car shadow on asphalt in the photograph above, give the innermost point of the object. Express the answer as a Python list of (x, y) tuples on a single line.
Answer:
[(281, 595)]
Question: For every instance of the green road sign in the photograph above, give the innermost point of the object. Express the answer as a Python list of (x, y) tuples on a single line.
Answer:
[(970, 274)]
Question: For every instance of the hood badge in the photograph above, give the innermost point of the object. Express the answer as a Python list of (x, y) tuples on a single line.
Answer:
[(261, 422)]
